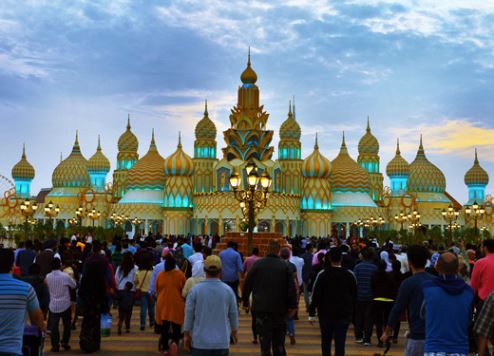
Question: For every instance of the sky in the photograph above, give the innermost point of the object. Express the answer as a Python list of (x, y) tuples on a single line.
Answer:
[(414, 67)]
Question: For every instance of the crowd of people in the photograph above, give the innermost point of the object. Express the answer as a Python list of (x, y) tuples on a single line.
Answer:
[(192, 297)]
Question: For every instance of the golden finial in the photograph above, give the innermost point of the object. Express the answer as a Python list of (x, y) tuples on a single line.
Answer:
[(206, 107), (421, 147), (343, 143), (368, 124), (289, 108), (476, 156), (179, 139), (99, 143), (293, 107), (398, 146), (24, 150), (248, 76), (128, 121), (152, 137), (76, 137), (316, 146)]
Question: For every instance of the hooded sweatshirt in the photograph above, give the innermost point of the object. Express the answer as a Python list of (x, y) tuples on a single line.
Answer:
[(448, 310)]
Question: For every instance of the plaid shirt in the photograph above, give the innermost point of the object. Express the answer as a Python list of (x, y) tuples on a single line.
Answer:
[(485, 322)]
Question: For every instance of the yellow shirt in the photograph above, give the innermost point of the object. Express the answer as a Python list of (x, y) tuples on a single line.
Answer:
[(191, 282), (142, 277)]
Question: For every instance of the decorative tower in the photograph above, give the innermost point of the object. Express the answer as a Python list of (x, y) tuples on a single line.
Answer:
[(398, 171), (23, 174), (368, 158), (204, 153), (476, 179), (289, 155), (424, 176), (315, 203), (98, 167), (72, 171), (316, 170), (248, 138), (179, 168), (126, 158)]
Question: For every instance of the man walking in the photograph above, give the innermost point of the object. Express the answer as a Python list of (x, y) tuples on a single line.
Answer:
[(333, 295), (274, 299), (364, 272), (209, 326), (16, 297), (232, 267), (410, 297), (25, 258), (482, 280), (59, 285), (484, 325), (448, 309)]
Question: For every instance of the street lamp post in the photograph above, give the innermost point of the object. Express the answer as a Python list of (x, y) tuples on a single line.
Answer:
[(136, 222), (450, 215), (118, 219), (475, 212), (51, 211), (28, 208), (79, 213), (251, 199), (401, 219), (415, 224), (94, 215)]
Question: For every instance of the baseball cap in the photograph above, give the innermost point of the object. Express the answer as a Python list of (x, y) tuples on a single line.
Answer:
[(212, 263)]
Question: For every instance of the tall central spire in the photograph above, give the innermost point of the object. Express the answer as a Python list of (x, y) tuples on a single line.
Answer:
[(248, 76), (248, 137)]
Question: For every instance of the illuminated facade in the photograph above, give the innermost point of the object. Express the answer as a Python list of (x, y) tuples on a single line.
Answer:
[(183, 194)]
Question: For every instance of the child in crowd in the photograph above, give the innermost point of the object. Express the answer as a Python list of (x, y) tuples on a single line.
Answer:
[(125, 304)]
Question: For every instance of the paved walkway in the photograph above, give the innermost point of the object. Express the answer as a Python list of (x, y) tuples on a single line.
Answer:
[(146, 342)]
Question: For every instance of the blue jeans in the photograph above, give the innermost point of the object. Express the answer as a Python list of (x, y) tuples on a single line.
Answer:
[(290, 325), (147, 305), (333, 329), (204, 352)]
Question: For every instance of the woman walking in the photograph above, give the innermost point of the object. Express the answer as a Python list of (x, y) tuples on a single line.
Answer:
[(170, 306), (142, 279), (384, 291), (125, 273)]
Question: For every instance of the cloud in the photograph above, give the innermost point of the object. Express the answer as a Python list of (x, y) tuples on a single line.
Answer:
[(448, 136)]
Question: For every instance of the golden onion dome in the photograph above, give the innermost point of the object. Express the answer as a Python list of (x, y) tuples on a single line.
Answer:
[(316, 165), (179, 163), (72, 171), (248, 76), (476, 175), (128, 141), (347, 175), (147, 172), (398, 166), (425, 176), (290, 129), (368, 144), (23, 169), (205, 128), (98, 162)]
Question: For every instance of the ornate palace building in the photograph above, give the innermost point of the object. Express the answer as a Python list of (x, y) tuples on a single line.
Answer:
[(182, 194)]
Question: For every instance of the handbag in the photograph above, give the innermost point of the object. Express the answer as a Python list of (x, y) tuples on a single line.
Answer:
[(138, 293)]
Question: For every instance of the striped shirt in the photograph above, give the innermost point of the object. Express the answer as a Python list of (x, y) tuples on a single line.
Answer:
[(15, 298), (364, 271), (58, 284)]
